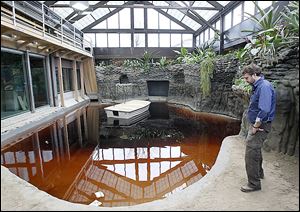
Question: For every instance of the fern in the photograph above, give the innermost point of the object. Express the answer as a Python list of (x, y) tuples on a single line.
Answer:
[(206, 73)]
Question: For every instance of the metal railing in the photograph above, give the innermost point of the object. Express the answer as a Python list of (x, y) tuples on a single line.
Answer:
[(39, 17)]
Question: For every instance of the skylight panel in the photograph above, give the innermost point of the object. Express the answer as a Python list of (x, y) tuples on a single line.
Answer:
[(206, 14), (175, 25), (63, 12), (176, 14), (160, 3), (115, 2), (98, 13), (223, 3), (101, 25), (93, 2), (191, 23), (62, 2), (83, 22), (202, 4)]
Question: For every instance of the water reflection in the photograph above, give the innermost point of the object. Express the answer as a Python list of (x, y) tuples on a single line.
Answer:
[(156, 157)]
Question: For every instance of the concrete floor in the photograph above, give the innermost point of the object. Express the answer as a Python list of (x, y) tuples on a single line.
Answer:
[(217, 190)]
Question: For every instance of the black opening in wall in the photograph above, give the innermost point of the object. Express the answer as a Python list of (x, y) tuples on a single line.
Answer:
[(158, 88)]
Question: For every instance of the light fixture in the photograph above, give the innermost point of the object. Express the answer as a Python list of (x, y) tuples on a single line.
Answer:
[(79, 5)]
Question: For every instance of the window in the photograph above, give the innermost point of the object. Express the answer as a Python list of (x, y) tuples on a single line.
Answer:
[(101, 40), (164, 22), (113, 22), (125, 40), (90, 37), (125, 18), (187, 40), (249, 7), (197, 40), (175, 40), (152, 19), (14, 95), (264, 4), (113, 40), (152, 40), (67, 79), (138, 18), (201, 37), (227, 21), (237, 14), (164, 40), (206, 32), (139, 40), (39, 81)]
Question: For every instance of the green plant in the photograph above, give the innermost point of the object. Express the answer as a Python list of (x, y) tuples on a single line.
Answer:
[(241, 84), (146, 60), (268, 37), (291, 17), (183, 56), (206, 73), (163, 62)]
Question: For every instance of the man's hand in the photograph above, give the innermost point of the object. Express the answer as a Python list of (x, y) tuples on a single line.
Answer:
[(255, 129)]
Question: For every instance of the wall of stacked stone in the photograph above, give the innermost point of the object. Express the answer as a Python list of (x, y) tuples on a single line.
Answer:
[(184, 88)]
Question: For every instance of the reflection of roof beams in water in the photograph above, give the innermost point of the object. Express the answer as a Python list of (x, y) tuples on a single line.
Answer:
[(184, 172)]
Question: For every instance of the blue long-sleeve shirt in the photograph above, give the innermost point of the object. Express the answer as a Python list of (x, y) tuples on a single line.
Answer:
[(262, 101)]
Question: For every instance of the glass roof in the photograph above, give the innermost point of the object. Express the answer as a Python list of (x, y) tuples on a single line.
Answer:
[(190, 15)]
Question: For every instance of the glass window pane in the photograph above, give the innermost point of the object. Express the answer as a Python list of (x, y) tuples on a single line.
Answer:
[(164, 40), (191, 23), (201, 37), (175, 26), (90, 37), (101, 25), (227, 21), (125, 18), (176, 14), (211, 33), (113, 40), (101, 40), (138, 18), (237, 14), (152, 19), (175, 40), (139, 40), (164, 22), (113, 22), (249, 7), (218, 25), (67, 79), (187, 40), (39, 82), (197, 40), (152, 40), (264, 4), (206, 35), (125, 40), (14, 97)]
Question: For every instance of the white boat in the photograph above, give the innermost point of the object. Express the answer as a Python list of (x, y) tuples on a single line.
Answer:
[(112, 122), (127, 110)]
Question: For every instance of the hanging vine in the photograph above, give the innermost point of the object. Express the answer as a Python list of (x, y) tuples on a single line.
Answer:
[(206, 74)]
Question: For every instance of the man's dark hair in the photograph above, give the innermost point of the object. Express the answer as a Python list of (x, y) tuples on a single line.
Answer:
[(252, 69)]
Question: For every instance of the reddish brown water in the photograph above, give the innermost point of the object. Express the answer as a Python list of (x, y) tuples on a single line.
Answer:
[(169, 151)]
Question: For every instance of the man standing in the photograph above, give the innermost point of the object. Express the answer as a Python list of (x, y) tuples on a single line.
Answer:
[(261, 113)]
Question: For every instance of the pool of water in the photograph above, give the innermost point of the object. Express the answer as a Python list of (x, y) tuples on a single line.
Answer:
[(164, 153)]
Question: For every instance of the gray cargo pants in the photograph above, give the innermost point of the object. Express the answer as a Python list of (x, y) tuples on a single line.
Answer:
[(253, 155)]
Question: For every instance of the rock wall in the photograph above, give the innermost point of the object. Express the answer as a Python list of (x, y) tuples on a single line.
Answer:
[(117, 84), (184, 86)]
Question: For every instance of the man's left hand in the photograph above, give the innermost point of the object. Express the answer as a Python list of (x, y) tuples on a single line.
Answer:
[(254, 130)]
